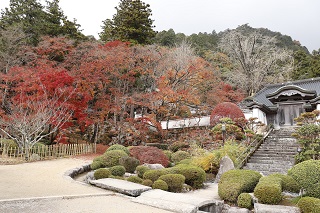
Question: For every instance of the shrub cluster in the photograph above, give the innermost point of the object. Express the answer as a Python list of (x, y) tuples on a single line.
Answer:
[(148, 154), (307, 174), (153, 175), (235, 182), (118, 147), (309, 205), (97, 163), (117, 170), (140, 170), (269, 190), (101, 173), (129, 163), (179, 156), (112, 157), (175, 181), (134, 179), (194, 176), (245, 201), (288, 183), (160, 184), (147, 182)]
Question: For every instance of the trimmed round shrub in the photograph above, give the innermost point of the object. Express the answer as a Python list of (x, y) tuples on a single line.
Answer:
[(186, 161), (134, 179), (118, 147), (130, 163), (309, 205), (225, 110), (168, 153), (111, 158), (235, 182), (140, 170), (307, 174), (195, 176), (269, 190), (149, 154), (245, 201), (179, 156), (154, 174), (101, 173), (117, 170), (175, 181), (160, 184), (288, 183), (96, 164), (147, 182)]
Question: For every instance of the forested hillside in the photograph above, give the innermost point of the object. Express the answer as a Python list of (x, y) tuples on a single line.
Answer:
[(95, 87)]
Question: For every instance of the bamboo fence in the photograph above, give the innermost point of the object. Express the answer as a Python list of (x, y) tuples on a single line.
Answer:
[(13, 155)]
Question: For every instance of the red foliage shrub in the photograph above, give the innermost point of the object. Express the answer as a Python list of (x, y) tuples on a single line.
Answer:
[(225, 110), (149, 154)]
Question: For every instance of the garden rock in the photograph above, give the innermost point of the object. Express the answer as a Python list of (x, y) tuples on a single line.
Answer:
[(263, 208), (154, 166), (121, 186), (226, 164), (89, 177)]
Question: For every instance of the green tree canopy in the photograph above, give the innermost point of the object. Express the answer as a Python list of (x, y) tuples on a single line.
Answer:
[(131, 23), (37, 20)]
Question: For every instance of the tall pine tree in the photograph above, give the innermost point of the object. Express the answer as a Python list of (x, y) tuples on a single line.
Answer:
[(132, 23)]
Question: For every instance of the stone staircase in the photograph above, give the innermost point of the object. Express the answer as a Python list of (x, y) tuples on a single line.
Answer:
[(276, 153)]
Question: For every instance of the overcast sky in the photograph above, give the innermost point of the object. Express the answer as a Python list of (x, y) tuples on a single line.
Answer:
[(297, 18)]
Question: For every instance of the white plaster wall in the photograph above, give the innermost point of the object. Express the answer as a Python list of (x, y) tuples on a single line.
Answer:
[(257, 113)]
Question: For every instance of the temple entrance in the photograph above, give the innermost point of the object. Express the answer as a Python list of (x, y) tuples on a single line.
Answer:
[(288, 112)]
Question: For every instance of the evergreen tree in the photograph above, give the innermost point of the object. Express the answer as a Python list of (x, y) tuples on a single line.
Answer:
[(131, 23), (37, 20)]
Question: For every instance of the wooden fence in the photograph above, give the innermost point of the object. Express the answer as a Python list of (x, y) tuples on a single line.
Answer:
[(13, 155)]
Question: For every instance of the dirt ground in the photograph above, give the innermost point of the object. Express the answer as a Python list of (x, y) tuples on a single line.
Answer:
[(21, 183)]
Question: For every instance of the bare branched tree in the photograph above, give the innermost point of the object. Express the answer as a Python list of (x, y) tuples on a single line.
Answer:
[(258, 60), (32, 120)]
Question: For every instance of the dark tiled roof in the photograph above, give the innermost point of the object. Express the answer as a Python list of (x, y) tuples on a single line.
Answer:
[(307, 84)]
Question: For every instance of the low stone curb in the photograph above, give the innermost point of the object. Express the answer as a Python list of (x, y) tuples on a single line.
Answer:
[(70, 174)]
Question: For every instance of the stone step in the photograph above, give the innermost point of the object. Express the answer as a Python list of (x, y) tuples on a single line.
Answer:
[(280, 152), (277, 149), (279, 143), (271, 161), (268, 167), (283, 158), (273, 155)]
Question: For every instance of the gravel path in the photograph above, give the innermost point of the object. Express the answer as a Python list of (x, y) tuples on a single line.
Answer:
[(42, 187)]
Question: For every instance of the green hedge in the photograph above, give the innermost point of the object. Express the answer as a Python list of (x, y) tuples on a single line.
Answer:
[(160, 184), (288, 183), (147, 182), (179, 156), (175, 181), (101, 173), (111, 158), (154, 174), (140, 170), (130, 163), (309, 205), (134, 179), (235, 182), (195, 176), (118, 147), (117, 170), (307, 174), (245, 201), (269, 190)]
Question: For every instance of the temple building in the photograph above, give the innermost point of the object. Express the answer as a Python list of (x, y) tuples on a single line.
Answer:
[(279, 104)]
